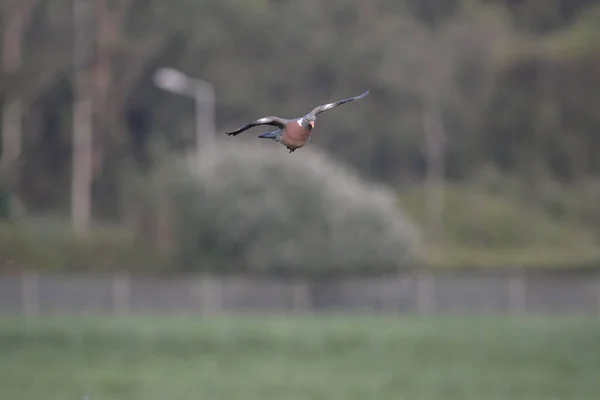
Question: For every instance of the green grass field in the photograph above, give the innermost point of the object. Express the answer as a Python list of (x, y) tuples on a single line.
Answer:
[(333, 358)]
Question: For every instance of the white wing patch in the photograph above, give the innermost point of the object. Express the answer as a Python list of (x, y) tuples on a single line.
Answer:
[(299, 121), (263, 120), (328, 106)]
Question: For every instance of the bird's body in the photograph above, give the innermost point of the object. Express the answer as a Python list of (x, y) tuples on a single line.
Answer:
[(293, 133), (293, 136)]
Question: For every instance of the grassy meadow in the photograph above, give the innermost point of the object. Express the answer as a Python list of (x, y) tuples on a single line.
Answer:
[(333, 358)]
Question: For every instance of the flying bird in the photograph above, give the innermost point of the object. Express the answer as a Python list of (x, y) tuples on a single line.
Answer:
[(293, 133)]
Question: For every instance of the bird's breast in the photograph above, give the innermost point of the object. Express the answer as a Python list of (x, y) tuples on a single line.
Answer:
[(295, 135)]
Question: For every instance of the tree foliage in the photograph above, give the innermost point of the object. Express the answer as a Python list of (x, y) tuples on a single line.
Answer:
[(510, 84), (260, 64), (255, 208)]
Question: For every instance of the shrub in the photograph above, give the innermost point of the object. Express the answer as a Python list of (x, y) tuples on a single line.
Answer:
[(500, 223), (258, 208), (47, 244)]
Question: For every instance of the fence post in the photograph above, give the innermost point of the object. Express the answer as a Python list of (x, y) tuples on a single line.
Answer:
[(517, 292), (301, 299), (30, 294), (121, 290), (211, 295), (425, 293), (598, 292)]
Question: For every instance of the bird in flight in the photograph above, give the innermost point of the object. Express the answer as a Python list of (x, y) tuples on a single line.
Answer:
[(293, 133)]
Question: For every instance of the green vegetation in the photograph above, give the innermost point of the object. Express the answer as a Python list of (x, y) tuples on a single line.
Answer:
[(487, 227), (49, 245), (326, 358), (457, 87), (492, 224), (255, 208)]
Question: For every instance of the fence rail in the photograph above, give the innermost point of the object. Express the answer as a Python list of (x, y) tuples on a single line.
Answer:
[(423, 293)]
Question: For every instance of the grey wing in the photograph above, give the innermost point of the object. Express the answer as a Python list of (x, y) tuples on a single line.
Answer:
[(329, 106), (273, 121)]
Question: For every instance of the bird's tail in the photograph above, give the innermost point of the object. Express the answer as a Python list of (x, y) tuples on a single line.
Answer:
[(270, 135)]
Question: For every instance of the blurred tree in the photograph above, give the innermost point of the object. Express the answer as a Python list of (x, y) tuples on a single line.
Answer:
[(457, 86), (543, 16), (340, 53), (543, 111), (427, 62), (40, 56), (82, 167), (15, 17), (257, 209)]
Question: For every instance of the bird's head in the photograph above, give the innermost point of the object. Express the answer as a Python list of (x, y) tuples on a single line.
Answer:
[(308, 122)]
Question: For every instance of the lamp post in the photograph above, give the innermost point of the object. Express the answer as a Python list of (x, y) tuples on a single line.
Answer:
[(203, 93)]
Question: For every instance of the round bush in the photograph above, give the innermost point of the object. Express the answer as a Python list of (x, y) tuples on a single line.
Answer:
[(253, 206)]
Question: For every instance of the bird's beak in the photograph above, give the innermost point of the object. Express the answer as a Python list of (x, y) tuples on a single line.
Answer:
[(312, 124)]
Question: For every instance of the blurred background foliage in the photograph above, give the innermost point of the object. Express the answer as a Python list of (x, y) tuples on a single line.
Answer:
[(256, 209), (510, 85)]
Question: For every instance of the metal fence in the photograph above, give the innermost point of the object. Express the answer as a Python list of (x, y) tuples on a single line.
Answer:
[(421, 293)]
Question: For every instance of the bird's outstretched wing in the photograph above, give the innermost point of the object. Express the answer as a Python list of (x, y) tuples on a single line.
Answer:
[(329, 106), (274, 121)]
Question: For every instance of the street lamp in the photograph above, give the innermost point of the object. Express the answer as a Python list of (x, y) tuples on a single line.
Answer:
[(203, 92)]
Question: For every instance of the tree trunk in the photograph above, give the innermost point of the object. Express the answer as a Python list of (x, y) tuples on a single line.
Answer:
[(16, 17), (81, 190), (11, 139), (109, 17), (81, 184), (433, 129)]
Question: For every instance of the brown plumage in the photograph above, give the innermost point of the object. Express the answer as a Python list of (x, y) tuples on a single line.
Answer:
[(295, 135)]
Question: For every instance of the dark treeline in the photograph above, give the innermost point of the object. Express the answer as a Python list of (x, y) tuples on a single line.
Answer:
[(514, 87), (458, 87)]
